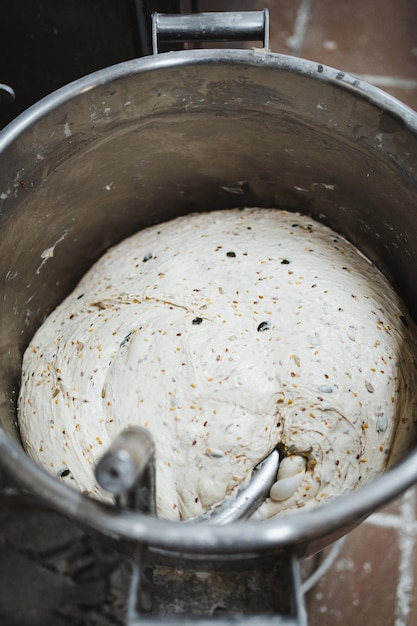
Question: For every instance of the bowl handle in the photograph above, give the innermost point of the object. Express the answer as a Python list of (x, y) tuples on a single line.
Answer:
[(213, 26)]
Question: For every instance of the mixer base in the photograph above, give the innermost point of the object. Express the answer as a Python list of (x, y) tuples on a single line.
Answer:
[(269, 594), (53, 574)]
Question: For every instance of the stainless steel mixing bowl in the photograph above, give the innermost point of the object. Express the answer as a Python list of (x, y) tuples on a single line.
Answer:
[(151, 139)]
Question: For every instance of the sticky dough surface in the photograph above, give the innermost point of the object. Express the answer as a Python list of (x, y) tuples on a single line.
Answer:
[(225, 333)]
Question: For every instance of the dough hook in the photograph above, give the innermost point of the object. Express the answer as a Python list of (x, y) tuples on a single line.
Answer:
[(127, 470)]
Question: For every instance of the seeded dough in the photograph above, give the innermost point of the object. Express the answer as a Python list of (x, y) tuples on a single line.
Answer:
[(226, 333)]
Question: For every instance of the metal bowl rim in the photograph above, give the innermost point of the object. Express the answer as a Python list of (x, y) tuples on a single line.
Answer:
[(279, 533)]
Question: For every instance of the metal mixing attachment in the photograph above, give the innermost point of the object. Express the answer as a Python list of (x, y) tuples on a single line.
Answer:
[(127, 470), (249, 497)]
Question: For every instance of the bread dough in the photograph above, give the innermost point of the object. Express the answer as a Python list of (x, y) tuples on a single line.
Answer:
[(225, 333)]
